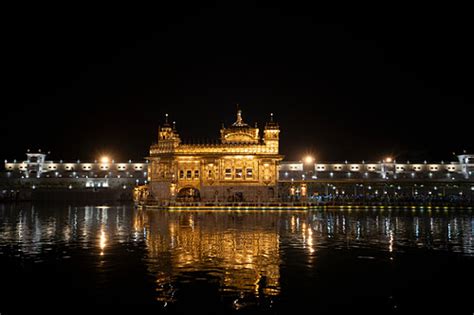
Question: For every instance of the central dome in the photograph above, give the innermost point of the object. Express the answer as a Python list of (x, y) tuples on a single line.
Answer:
[(239, 132)]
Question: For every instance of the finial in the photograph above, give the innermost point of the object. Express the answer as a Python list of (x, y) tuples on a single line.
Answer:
[(166, 118), (239, 117), (174, 125), (239, 122), (271, 117)]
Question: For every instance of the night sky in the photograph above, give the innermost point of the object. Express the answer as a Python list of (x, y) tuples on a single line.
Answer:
[(84, 81)]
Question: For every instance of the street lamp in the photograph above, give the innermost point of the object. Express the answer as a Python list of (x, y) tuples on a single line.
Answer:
[(385, 168), (308, 159), (308, 165)]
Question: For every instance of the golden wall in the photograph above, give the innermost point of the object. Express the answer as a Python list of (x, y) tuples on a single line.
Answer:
[(243, 167)]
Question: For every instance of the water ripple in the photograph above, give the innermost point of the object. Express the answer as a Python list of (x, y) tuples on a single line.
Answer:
[(242, 257)]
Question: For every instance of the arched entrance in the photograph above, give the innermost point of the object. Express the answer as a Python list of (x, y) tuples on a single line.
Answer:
[(188, 194)]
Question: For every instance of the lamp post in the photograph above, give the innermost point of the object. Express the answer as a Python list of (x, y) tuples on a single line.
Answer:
[(308, 169), (385, 166), (308, 164)]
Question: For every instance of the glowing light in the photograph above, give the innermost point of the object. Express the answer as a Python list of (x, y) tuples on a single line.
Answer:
[(303, 190), (308, 159), (105, 159), (388, 159), (102, 241), (309, 240), (390, 242), (292, 191)]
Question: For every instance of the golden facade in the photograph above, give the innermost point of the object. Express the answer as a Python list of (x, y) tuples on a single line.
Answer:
[(242, 167)]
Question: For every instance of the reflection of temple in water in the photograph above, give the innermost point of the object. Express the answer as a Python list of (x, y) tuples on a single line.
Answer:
[(241, 250), (246, 240)]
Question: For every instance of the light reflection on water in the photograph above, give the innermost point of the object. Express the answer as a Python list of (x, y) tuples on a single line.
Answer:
[(241, 253)]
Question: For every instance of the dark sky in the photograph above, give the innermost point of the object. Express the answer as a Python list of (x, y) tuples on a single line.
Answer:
[(83, 81)]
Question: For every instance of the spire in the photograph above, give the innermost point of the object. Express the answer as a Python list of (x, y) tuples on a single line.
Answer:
[(166, 124), (239, 117), (168, 131), (239, 122), (271, 124)]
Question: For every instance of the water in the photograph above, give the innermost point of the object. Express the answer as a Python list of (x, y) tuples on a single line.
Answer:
[(333, 261)]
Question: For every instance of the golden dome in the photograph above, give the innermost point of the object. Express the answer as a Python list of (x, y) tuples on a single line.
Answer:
[(239, 132)]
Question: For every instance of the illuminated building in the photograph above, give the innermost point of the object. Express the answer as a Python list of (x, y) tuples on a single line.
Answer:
[(394, 179), (385, 169), (37, 178), (242, 167)]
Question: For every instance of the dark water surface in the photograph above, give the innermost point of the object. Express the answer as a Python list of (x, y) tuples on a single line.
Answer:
[(333, 261)]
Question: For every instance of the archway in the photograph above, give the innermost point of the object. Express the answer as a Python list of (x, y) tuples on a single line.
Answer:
[(188, 194)]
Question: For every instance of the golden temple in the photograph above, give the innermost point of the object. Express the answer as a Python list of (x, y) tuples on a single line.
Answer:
[(242, 167)]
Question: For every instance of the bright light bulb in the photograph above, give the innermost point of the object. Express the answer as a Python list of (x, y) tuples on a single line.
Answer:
[(308, 159)]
